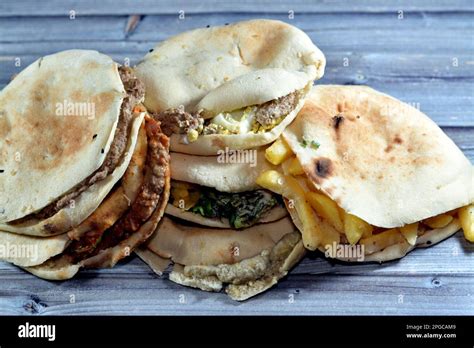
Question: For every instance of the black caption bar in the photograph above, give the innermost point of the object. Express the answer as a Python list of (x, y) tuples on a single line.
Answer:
[(139, 331)]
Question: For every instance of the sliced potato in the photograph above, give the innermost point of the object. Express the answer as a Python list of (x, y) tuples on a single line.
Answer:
[(355, 228), (381, 241), (326, 208), (295, 167), (295, 188), (311, 233), (290, 188), (278, 152), (438, 221), (410, 232), (466, 216), (329, 234), (273, 181)]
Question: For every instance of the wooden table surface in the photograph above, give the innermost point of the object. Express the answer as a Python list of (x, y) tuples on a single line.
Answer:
[(421, 52)]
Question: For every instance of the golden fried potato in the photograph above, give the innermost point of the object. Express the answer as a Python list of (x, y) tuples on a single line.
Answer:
[(381, 241), (290, 188), (278, 152), (466, 217), (326, 208), (273, 181), (355, 228), (438, 221), (295, 168), (410, 232)]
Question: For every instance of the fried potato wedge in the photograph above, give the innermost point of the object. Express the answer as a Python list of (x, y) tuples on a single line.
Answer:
[(326, 208), (381, 241), (410, 232), (278, 152), (466, 216), (355, 228), (438, 221)]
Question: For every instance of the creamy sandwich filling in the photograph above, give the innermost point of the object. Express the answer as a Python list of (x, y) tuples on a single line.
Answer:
[(242, 210), (324, 222), (251, 119), (135, 92)]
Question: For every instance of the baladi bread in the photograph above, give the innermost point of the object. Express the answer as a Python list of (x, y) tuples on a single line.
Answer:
[(61, 267), (225, 68), (379, 159), (249, 261), (395, 251), (111, 208), (71, 216), (46, 151), (374, 153), (212, 171), (30, 251)]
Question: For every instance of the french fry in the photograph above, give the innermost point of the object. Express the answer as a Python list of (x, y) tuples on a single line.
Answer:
[(273, 181), (294, 186), (466, 217), (295, 168), (438, 221), (329, 234), (326, 208), (355, 228), (311, 233), (410, 232), (278, 152), (290, 188), (381, 241)]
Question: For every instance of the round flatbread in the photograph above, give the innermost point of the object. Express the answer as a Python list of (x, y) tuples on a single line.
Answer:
[(57, 121), (222, 69), (379, 158)]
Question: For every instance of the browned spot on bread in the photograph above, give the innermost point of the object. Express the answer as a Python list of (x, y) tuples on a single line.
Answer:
[(323, 167), (51, 228), (398, 140), (218, 142), (58, 137), (389, 148), (337, 121)]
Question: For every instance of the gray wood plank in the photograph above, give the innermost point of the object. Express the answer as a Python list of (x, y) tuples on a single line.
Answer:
[(120, 7), (429, 281), (157, 28), (298, 295)]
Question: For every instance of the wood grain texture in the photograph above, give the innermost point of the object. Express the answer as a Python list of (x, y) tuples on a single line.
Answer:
[(425, 59), (118, 7)]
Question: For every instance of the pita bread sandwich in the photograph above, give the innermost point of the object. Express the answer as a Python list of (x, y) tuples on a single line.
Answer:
[(369, 178), (235, 86), (221, 228), (84, 170)]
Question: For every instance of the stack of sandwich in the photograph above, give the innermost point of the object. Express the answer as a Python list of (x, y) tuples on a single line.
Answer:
[(262, 165), (84, 171), (223, 95)]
